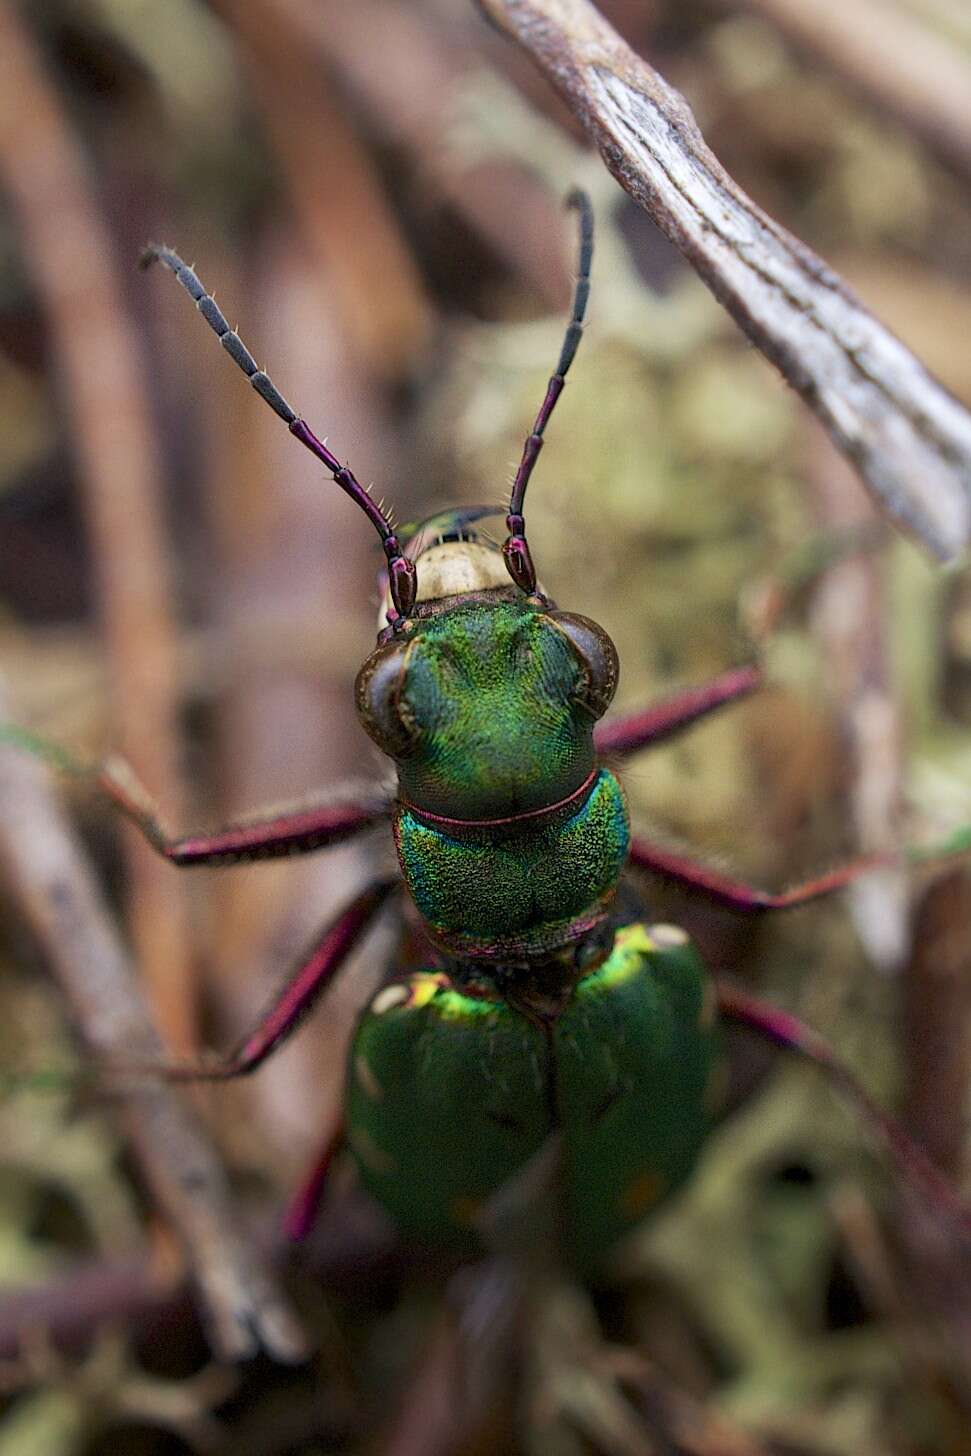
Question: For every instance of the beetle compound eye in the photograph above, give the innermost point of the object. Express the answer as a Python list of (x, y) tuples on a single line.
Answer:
[(598, 659), (378, 694)]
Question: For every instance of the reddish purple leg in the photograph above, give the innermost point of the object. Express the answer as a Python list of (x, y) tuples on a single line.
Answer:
[(620, 736), (297, 829), (795, 1036), (301, 1212), (301, 992), (735, 893)]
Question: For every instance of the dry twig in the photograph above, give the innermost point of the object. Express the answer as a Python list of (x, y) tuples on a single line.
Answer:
[(50, 878), (348, 1250), (909, 439)]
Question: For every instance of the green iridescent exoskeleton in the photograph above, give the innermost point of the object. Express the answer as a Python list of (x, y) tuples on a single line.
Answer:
[(450, 1094), (545, 1014), (495, 695), (517, 893)]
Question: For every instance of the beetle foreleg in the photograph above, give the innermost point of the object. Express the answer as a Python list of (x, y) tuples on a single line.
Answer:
[(325, 819), (295, 829), (300, 994), (633, 731)]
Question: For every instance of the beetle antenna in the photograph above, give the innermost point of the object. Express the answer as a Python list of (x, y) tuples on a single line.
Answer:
[(516, 548), (401, 571)]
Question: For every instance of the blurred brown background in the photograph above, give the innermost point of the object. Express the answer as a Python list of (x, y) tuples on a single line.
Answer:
[(373, 193)]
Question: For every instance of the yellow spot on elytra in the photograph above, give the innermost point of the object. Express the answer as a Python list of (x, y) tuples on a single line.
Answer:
[(363, 1144), (366, 1079), (641, 1193), (667, 937), (388, 998), (633, 938), (464, 1210), (709, 1005), (423, 988)]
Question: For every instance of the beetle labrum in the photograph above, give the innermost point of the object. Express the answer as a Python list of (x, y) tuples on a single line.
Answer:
[(543, 1010)]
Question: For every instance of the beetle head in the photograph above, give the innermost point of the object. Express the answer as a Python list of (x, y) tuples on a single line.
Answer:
[(486, 699)]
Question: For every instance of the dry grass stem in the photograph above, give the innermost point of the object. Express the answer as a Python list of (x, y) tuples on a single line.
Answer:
[(50, 878), (67, 250)]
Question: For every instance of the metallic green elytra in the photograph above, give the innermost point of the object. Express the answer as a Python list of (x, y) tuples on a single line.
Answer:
[(451, 1093)]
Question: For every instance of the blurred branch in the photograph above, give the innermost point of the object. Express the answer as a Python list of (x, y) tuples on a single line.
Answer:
[(409, 75), (46, 871), (67, 249), (937, 1021), (347, 1251), (909, 439), (849, 621), (688, 1425), (334, 191), (428, 1423), (890, 58)]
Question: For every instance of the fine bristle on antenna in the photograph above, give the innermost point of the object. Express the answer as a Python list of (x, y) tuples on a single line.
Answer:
[(516, 548), (401, 571)]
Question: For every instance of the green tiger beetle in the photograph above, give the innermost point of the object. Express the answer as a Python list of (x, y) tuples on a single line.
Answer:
[(543, 1009)]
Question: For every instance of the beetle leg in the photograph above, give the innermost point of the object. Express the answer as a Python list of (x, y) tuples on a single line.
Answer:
[(315, 823), (299, 995), (736, 894), (633, 731), (294, 829), (794, 1035), (301, 1211), (317, 969)]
